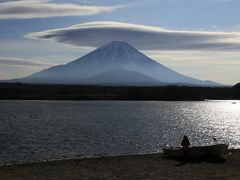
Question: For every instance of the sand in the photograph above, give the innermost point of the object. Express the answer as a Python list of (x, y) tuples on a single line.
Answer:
[(147, 166)]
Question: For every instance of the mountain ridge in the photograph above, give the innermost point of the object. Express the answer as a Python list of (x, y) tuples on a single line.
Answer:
[(115, 55)]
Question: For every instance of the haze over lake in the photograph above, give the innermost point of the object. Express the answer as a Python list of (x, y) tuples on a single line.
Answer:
[(38, 130)]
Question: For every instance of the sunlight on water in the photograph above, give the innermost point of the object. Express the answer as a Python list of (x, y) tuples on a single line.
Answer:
[(219, 119), (36, 130)]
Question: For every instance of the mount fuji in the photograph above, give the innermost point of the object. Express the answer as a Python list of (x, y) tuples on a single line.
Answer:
[(115, 63)]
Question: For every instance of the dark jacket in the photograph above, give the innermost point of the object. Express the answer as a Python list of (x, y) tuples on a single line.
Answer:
[(185, 142)]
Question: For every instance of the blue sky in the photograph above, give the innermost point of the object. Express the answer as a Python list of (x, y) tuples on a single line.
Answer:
[(199, 38)]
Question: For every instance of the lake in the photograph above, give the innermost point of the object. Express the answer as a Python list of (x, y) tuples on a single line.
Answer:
[(47, 130)]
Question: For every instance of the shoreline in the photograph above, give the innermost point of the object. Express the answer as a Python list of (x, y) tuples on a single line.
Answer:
[(17, 91), (12, 163), (139, 166)]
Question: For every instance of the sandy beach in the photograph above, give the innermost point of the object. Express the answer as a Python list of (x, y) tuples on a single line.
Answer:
[(147, 166)]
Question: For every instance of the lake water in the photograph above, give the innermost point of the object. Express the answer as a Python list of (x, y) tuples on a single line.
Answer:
[(39, 130)]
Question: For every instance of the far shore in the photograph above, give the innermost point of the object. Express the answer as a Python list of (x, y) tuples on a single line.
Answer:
[(143, 166), (17, 91)]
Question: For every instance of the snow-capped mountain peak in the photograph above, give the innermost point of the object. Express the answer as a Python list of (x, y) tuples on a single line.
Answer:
[(116, 52), (114, 56)]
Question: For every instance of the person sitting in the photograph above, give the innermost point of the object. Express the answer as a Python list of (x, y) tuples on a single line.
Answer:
[(185, 144)]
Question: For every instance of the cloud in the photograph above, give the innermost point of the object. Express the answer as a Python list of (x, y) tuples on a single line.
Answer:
[(11, 67), (28, 9), (185, 58), (11, 61), (219, 66), (95, 34)]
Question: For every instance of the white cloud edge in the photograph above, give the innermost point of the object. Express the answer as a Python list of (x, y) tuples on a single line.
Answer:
[(29, 9)]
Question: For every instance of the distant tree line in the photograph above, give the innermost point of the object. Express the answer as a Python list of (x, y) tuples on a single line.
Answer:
[(78, 92), (236, 91)]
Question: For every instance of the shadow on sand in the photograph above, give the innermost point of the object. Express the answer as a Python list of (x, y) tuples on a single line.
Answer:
[(195, 160)]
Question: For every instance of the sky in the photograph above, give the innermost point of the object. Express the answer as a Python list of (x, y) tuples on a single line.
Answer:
[(198, 38)]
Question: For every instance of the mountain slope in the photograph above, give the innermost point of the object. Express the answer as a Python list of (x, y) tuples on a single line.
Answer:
[(113, 56), (121, 77)]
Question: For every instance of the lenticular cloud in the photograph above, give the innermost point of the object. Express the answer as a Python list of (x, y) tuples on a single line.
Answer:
[(95, 34), (28, 9)]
